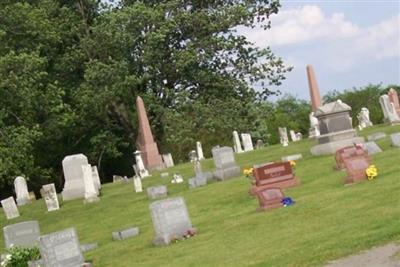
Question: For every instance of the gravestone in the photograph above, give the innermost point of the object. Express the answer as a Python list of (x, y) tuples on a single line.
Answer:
[(395, 138), (347, 152), (49, 194), (199, 151), (21, 190), (90, 190), (283, 136), (376, 136), (10, 208), (88, 247), (394, 99), (355, 168), (74, 186), (118, 178), (363, 119), (96, 178), (156, 192), (292, 157), (24, 234), (61, 249), (170, 220), (137, 183), (273, 175), (247, 142), (236, 142), (197, 181), (140, 165), (313, 132), (389, 110), (259, 144), (224, 160), (294, 136), (168, 160), (372, 148), (270, 198), (126, 233)]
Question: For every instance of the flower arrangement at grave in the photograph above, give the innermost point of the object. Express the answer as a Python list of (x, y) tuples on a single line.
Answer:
[(287, 201), (19, 256), (371, 172), (293, 163), (248, 172)]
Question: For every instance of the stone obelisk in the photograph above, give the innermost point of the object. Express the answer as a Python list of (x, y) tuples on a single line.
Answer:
[(314, 90), (145, 141)]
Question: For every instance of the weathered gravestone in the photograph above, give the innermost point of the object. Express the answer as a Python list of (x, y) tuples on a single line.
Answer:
[(395, 138), (283, 136), (259, 144), (137, 183), (236, 142), (197, 181), (88, 247), (90, 189), (168, 160), (171, 220), (96, 178), (10, 208), (273, 175), (347, 152), (199, 151), (142, 171), (61, 249), (224, 161), (372, 148), (355, 168), (247, 142), (376, 136), (292, 157), (155, 192), (270, 198), (74, 187), (126, 233), (21, 190), (24, 234), (49, 194)]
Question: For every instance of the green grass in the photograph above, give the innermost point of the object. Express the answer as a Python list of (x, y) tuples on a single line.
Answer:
[(328, 221)]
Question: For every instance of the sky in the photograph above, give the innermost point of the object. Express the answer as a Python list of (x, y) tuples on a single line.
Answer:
[(349, 43)]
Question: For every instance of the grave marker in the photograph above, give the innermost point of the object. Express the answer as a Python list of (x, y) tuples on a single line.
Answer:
[(49, 194), (10, 208), (24, 234)]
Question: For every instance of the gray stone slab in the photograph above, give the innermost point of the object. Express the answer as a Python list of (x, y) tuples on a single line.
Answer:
[(24, 234), (126, 233), (376, 136), (170, 220), (61, 249), (200, 180), (395, 138), (332, 147), (292, 157), (88, 247), (156, 192), (225, 164), (224, 174), (372, 148)]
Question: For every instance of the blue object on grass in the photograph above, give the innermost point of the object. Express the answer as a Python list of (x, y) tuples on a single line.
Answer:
[(287, 201)]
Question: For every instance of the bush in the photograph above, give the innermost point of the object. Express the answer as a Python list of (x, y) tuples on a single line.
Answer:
[(19, 256)]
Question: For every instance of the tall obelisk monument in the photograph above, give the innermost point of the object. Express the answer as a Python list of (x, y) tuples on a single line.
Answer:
[(145, 141), (314, 90)]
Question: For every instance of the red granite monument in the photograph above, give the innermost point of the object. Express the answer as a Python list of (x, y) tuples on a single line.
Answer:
[(145, 141), (355, 168), (348, 152), (314, 90), (394, 99), (270, 198)]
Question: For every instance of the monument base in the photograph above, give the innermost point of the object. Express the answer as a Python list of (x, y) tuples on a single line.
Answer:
[(72, 193), (331, 147), (223, 174)]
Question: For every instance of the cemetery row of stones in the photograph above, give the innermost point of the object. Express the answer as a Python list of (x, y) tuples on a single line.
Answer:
[(333, 132)]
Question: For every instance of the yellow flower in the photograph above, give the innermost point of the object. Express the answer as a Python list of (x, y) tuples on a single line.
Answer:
[(248, 171), (371, 172), (292, 163)]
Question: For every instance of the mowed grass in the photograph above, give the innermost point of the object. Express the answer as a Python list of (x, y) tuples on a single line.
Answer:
[(328, 221)]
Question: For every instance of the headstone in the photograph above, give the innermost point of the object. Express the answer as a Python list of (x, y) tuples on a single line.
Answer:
[(294, 136), (168, 160), (273, 175), (126, 233), (88, 247), (49, 194), (299, 136), (363, 119), (74, 187), (24, 234), (10, 208), (177, 179), (199, 151), (348, 152), (156, 192), (61, 249), (247, 142), (140, 165), (270, 198), (137, 182), (395, 138), (197, 181), (292, 157), (117, 178), (224, 161), (170, 220), (389, 111), (283, 136), (145, 142), (236, 141), (90, 190), (96, 178), (259, 144), (376, 136), (394, 99), (21, 190), (372, 148), (355, 168), (314, 126)]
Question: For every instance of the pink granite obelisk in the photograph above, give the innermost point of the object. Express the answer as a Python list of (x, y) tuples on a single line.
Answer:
[(394, 99), (145, 141), (314, 90)]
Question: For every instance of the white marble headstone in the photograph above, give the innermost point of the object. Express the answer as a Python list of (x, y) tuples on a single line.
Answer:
[(21, 190), (96, 178), (10, 208), (74, 187), (140, 165), (50, 197), (168, 160), (236, 141), (199, 151), (90, 190), (283, 136), (137, 182), (247, 142)]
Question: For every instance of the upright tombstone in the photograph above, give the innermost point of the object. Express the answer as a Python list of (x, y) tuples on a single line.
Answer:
[(21, 190), (96, 178), (145, 142), (61, 249), (355, 168), (142, 171), (345, 153), (363, 119), (394, 99), (389, 111), (199, 151), (170, 220), (236, 142), (23, 234), (259, 144), (395, 139), (10, 208), (372, 148), (314, 126), (74, 186), (90, 189), (335, 128), (295, 136), (247, 142), (49, 194), (137, 183), (225, 164), (168, 160), (283, 136)]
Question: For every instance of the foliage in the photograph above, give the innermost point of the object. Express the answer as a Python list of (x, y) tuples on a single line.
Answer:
[(19, 256)]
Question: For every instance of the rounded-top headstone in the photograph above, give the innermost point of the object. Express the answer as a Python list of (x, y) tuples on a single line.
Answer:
[(21, 190)]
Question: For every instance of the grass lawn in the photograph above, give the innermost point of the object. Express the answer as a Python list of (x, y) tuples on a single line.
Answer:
[(328, 221)]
